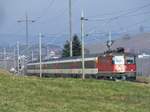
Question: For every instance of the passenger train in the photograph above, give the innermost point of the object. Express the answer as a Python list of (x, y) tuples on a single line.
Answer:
[(102, 66)]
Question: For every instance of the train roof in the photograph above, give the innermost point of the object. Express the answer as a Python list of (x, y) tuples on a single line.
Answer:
[(86, 56), (66, 58)]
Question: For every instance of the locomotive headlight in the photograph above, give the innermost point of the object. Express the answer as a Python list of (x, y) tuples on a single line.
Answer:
[(120, 68)]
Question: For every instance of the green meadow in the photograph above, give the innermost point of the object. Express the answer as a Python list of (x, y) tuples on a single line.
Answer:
[(33, 94)]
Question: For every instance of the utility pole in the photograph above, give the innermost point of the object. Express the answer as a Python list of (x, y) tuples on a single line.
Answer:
[(32, 55), (14, 58), (82, 39), (47, 50), (40, 52), (18, 58), (110, 41), (5, 63), (70, 26), (27, 21)]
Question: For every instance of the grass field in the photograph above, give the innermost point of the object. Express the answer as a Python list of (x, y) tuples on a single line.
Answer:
[(31, 94)]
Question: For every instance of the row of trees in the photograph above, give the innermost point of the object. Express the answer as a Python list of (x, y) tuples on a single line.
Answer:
[(76, 47)]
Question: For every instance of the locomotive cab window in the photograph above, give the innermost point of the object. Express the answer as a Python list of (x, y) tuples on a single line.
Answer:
[(130, 60)]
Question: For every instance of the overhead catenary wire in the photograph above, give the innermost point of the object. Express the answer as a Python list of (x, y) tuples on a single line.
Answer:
[(57, 15), (97, 35), (135, 9), (107, 20), (45, 11), (125, 13)]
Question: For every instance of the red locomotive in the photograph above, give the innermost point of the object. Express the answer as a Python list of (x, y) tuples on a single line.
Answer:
[(117, 65)]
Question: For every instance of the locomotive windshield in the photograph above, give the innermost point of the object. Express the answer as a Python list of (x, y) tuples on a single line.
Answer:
[(118, 60)]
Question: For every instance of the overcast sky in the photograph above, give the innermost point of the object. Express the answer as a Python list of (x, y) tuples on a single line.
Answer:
[(51, 17)]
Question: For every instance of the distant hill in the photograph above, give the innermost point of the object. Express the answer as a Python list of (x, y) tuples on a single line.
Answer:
[(138, 43)]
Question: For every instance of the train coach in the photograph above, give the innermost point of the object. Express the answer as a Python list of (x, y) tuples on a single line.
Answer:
[(109, 65)]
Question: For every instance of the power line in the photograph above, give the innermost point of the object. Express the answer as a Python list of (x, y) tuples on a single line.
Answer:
[(45, 11), (62, 11), (133, 11), (137, 23), (121, 15), (130, 11), (27, 21), (99, 34), (126, 11), (128, 27), (143, 13), (59, 13)]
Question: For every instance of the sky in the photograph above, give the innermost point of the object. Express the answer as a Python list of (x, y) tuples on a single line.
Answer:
[(51, 19)]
